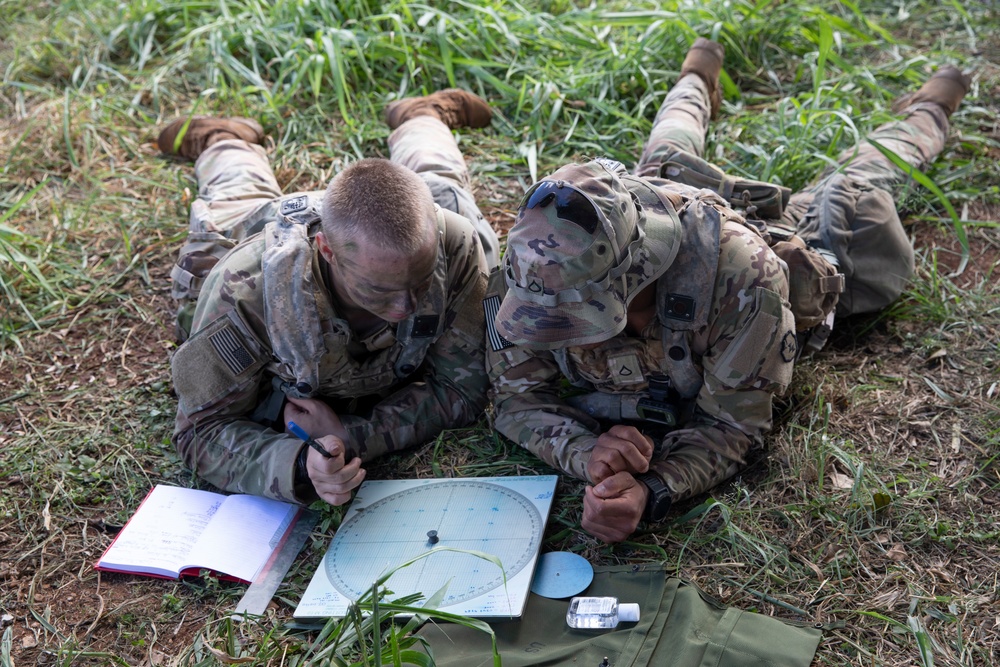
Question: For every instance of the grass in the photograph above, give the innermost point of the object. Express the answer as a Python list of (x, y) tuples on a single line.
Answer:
[(876, 504)]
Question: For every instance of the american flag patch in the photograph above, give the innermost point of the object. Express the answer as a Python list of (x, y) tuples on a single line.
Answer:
[(231, 350), (491, 306)]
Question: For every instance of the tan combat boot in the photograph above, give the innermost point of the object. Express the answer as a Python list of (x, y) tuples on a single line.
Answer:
[(705, 60), (203, 131), (455, 108), (946, 87)]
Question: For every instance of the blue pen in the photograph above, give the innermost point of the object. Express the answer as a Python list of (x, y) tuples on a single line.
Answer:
[(299, 433)]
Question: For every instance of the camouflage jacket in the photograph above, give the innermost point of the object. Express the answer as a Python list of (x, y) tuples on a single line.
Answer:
[(224, 370), (726, 360)]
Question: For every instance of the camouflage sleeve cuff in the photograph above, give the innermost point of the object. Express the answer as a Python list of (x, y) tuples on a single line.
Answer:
[(359, 430)]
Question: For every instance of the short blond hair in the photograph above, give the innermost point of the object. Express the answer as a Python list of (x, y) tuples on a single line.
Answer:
[(380, 201)]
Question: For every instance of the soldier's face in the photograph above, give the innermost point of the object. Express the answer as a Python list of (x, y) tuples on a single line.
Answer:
[(382, 281)]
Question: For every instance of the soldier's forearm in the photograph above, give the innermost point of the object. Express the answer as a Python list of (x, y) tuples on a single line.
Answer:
[(549, 429), (241, 456), (412, 416), (693, 460)]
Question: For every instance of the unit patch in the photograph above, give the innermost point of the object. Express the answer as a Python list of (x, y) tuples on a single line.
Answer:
[(789, 346)]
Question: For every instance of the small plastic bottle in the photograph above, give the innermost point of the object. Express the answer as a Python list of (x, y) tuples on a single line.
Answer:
[(598, 613)]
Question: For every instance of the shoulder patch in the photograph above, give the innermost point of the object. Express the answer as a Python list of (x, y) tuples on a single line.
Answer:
[(231, 350), (789, 347), (491, 306)]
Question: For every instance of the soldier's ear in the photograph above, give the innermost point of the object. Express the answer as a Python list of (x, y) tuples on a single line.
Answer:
[(325, 251)]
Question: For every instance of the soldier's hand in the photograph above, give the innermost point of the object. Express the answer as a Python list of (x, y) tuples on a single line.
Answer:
[(613, 508), (332, 479), (315, 417), (619, 449)]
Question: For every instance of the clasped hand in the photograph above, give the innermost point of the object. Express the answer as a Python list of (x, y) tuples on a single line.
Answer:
[(333, 479), (613, 506)]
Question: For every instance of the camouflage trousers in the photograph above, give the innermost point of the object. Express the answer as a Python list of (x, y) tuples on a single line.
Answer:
[(238, 194), (849, 209)]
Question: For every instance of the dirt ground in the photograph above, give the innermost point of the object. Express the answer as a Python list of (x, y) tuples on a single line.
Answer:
[(53, 596)]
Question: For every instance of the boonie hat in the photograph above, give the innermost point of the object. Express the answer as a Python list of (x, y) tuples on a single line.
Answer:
[(582, 247)]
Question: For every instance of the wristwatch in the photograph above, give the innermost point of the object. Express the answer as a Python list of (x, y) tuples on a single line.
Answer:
[(304, 490), (658, 503)]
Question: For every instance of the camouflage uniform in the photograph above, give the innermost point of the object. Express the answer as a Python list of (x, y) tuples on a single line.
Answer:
[(395, 388), (849, 210), (723, 333)]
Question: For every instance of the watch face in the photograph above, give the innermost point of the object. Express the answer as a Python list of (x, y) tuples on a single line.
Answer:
[(659, 506)]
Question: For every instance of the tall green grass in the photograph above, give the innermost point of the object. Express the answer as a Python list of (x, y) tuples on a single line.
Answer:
[(568, 81)]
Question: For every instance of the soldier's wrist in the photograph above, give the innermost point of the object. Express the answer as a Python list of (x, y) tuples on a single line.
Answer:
[(658, 499), (305, 492)]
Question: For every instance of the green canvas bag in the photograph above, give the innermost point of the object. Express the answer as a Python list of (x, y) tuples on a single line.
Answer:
[(679, 626)]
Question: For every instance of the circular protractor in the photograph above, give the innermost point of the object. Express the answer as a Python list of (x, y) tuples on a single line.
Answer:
[(460, 514), (561, 574)]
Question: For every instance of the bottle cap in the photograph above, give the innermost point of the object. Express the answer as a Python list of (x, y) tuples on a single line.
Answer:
[(628, 612)]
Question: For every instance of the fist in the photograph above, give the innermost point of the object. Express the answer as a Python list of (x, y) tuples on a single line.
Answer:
[(619, 449), (331, 477), (612, 509)]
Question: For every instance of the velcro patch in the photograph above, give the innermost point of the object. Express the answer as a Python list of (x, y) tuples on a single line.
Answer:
[(741, 362), (491, 306), (216, 361), (424, 326)]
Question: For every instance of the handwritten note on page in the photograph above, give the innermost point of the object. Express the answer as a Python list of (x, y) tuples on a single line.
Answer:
[(176, 529)]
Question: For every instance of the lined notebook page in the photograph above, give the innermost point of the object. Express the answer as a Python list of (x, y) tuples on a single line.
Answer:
[(161, 535), (242, 535)]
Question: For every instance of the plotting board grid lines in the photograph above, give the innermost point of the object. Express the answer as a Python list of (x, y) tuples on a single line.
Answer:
[(391, 522)]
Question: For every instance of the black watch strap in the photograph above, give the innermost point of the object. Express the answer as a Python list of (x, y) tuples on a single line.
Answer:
[(658, 503), (305, 492)]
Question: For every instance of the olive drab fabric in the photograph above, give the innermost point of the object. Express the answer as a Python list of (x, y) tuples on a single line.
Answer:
[(678, 626), (265, 313)]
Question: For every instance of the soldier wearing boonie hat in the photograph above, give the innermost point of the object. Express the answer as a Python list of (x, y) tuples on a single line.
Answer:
[(665, 319), (576, 290), (654, 298)]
